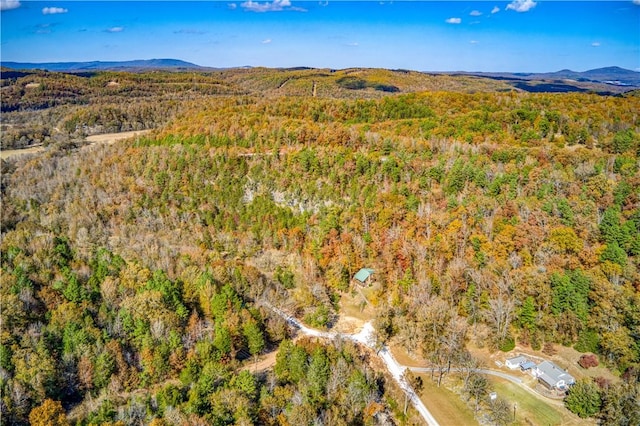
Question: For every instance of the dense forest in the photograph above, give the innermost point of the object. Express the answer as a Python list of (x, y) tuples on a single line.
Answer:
[(136, 276)]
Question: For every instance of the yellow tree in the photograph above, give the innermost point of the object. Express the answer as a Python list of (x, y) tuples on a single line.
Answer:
[(50, 413)]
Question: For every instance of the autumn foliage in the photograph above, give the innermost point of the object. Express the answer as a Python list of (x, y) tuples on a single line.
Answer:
[(135, 274), (588, 361)]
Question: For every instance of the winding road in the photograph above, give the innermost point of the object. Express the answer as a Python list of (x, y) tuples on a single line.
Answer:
[(505, 376), (366, 337)]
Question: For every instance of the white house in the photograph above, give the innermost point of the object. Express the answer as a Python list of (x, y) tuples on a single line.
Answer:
[(514, 363), (553, 377)]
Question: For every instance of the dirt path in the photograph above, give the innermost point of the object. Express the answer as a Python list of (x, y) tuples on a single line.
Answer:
[(114, 137), (6, 153), (348, 325), (283, 83), (266, 363), (345, 325)]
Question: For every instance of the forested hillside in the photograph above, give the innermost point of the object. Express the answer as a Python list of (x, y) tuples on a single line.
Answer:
[(42, 107), (133, 273)]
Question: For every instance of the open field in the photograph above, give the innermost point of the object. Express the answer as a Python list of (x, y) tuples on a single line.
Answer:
[(446, 406), (565, 357), (101, 138), (569, 357), (532, 408), (114, 137), (352, 304)]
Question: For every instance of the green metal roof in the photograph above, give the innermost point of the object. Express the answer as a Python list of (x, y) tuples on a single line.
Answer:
[(363, 274)]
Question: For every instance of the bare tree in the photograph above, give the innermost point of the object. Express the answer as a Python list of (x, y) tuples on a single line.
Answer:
[(499, 412), (500, 315), (468, 364), (501, 308), (476, 388)]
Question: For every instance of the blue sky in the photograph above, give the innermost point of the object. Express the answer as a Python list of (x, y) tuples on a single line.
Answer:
[(517, 36)]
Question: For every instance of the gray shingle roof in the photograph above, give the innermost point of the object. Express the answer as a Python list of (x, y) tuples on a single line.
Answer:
[(517, 360), (552, 374)]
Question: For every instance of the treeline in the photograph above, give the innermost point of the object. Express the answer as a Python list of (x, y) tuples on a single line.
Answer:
[(506, 119), (611, 404)]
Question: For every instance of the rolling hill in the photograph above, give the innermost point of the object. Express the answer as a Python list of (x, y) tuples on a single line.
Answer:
[(301, 80), (614, 76), (138, 64)]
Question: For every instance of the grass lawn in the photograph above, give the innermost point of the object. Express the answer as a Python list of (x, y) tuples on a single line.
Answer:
[(532, 409), (351, 304), (446, 406), (569, 357)]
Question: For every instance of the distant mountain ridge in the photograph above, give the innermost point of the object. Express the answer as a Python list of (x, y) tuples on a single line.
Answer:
[(610, 75), (139, 64), (604, 81)]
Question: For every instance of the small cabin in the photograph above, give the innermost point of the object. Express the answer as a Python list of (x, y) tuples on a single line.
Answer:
[(362, 277)]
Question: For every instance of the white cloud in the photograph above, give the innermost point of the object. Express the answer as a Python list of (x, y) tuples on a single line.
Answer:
[(637, 2), (453, 21), (53, 10), (353, 44), (9, 4), (595, 44), (115, 29), (475, 13), (274, 6), (521, 5), (267, 41), (232, 6), (495, 10), (473, 41)]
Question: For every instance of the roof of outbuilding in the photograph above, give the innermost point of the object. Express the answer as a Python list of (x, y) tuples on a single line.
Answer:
[(363, 274), (518, 360)]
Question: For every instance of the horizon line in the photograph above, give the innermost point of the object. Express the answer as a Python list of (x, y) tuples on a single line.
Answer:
[(3, 61)]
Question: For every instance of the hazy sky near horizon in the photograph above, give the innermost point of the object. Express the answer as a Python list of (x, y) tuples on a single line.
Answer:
[(517, 36)]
